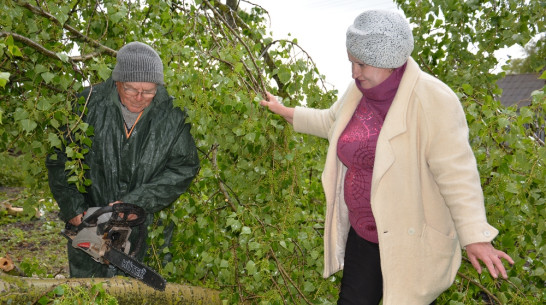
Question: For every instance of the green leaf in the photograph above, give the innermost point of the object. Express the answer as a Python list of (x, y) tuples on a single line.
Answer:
[(4, 78), (39, 68), (69, 152), (538, 272), (63, 57), (104, 72), (246, 230), (308, 287), (284, 74), (59, 290), (251, 267), (468, 89), (43, 105), (47, 76), (54, 140), (12, 48), (238, 67), (44, 300), (28, 125), (20, 114)]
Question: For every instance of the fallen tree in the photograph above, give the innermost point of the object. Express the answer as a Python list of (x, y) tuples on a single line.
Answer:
[(23, 290)]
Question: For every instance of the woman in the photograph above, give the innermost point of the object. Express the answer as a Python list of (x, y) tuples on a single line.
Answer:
[(402, 188)]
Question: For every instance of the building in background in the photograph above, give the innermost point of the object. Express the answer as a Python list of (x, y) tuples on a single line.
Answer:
[(517, 88)]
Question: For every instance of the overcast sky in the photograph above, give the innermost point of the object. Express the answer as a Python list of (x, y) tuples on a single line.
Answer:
[(320, 26)]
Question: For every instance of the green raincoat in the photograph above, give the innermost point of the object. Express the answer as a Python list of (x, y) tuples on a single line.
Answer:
[(151, 168)]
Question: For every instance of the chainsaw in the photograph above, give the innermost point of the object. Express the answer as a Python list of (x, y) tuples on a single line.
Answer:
[(104, 234)]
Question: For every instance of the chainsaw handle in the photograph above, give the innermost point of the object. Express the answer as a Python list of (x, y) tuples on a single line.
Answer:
[(119, 208), (91, 220)]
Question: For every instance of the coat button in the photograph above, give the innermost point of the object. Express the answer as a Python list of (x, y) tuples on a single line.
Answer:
[(411, 231), (487, 233)]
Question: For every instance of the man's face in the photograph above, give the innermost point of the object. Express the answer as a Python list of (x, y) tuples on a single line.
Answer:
[(136, 96)]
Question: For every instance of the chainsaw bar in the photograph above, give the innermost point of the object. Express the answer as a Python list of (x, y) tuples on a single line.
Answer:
[(135, 269)]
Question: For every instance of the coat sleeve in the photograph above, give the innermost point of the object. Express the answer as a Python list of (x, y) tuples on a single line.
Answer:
[(318, 122), (182, 166), (453, 165), (71, 202)]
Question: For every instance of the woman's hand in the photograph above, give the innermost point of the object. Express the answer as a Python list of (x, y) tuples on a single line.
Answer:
[(490, 256), (274, 106)]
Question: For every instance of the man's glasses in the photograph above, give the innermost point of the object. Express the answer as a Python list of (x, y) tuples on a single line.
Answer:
[(134, 92)]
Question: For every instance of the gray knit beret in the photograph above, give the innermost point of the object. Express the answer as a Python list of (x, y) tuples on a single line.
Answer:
[(138, 62), (380, 38)]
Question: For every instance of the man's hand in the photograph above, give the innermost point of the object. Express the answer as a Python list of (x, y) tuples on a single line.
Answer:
[(490, 256), (130, 217), (76, 221)]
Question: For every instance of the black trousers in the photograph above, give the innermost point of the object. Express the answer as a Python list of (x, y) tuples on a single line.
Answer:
[(362, 281)]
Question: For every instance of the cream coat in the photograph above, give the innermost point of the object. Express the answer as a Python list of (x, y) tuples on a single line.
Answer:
[(426, 194)]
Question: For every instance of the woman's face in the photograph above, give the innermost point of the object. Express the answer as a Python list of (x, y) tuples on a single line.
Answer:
[(368, 76)]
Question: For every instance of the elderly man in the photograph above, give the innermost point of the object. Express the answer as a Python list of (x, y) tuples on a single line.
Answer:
[(142, 151)]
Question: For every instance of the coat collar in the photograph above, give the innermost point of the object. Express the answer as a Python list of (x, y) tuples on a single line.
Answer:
[(395, 123), (350, 100)]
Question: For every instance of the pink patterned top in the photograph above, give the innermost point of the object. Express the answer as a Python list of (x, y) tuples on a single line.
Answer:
[(356, 149)]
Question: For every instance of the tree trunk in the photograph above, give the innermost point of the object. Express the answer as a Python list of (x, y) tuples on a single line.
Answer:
[(23, 290)]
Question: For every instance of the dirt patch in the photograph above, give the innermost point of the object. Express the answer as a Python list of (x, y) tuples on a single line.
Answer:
[(9, 191), (34, 244)]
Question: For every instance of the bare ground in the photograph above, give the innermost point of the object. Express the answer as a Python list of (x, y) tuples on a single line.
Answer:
[(34, 244)]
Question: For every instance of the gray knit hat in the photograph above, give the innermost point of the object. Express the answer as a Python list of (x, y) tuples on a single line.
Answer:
[(138, 62), (380, 38)]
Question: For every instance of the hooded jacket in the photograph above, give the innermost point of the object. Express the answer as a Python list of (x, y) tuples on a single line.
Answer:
[(151, 168), (426, 195)]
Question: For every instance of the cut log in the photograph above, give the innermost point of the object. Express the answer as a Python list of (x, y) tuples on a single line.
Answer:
[(11, 210), (6, 264), (9, 267), (23, 290), (17, 211)]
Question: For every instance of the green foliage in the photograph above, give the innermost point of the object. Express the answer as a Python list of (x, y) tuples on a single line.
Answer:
[(251, 223), (64, 295), (252, 219), (511, 155), (455, 41)]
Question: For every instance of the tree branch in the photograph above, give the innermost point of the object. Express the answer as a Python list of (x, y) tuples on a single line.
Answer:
[(287, 276), (43, 50), (39, 11), (29, 42), (220, 17), (489, 293), (220, 182)]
